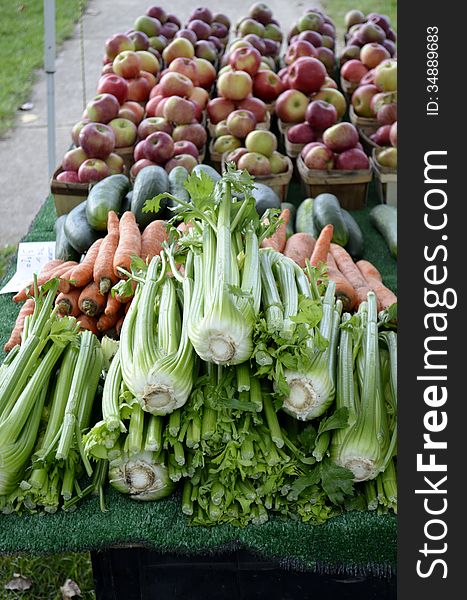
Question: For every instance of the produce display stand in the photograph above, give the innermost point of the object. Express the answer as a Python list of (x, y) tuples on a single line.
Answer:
[(149, 550)]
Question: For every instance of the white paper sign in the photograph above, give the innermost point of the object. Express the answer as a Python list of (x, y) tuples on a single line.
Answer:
[(32, 256)]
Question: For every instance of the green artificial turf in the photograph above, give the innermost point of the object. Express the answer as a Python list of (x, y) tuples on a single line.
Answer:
[(22, 48)]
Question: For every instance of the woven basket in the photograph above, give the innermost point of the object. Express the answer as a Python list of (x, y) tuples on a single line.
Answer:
[(386, 180)]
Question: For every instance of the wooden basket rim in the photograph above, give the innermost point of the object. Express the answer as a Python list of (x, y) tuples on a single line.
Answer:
[(317, 177)]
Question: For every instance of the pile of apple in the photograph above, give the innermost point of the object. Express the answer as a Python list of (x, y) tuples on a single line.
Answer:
[(387, 157), (374, 28), (171, 133), (313, 35), (208, 32), (259, 155), (339, 149), (262, 31), (376, 95)]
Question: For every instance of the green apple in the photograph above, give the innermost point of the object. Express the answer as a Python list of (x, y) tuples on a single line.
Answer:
[(386, 75), (388, 158), (262, 142), (226, 143), (278, 163)]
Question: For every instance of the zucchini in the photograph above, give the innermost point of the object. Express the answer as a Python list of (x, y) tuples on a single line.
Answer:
[(290, 229), (104, 196), (177, 178), (78, 231), (211, 171), (355, 244), (149, 182), (63, 249), (327, 210), (126, 204), (384, 218), (304, 222), (265, 198)]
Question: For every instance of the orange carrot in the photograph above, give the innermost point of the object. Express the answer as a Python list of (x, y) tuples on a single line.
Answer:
[(103, 272), (351, 272), (128, 297), (44, 275), (67, 302), (152, 239), (368, 270), (344, 289), (106, 322), (87, 322), (91, 302), (322, 246), (299, 247), (65, 284), (279, 238), (81, 275), (129, 244), (16, 333), (113, 305)]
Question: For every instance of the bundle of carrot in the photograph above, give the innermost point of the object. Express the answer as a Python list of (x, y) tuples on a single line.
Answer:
[(353, 280), (85, 288)]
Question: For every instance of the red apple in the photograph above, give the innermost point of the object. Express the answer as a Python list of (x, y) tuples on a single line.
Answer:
[(329, 83), (139, 165), (261, 142), (256, 41), (115, 163), (300, 48), (93, 169), (260, 12), (341, 137), (206, 73), (371, 32), (118, 43), (175, 84), (114, 85), (125, 132), (131, 110), (271, 49), (221, 18), (159, 111), (387, 114), (102, 108), (179, 110), (236, 85), (240, 123), (202, 13), (159, 147), (368, 78), (185, 66), (372, 54), (353, 70), (393, 134), (152, 104), (68, 177), (207, 50), (150, 78), (188, 34), (107, 69), (219, 109), (256, 164), (138, 89), (349, 53), (139, 151), (307, 75), (140, 40), (381, 135), (267, 85), (256, 106), (199, 96), (382, 20), (235, 155), (351, 160), (76, 129), (313, 37), (327, 57), (127, 64), (301, 133), (169, 29), (310, 145), (157, 12), (291, 106), (390, 47), (178, 48), (181, 160), (201, 28), (97, 140), (194, 132), (219, 30), (73, 159), (361, 100), (321, 115), (319, 157), (186, 147), (245, 59), (151, 125)]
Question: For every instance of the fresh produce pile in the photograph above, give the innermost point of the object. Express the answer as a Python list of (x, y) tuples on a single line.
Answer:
[(255, 395)]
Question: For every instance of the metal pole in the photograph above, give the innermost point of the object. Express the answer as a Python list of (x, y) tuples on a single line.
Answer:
[(49, 66)]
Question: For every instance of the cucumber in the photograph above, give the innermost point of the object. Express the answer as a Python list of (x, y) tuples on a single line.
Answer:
[(304, 222), (265, 198), (149, 182), (78, 231), (384, 218), (106, 195), (355, 244), (177, 178), (213, 174), (327, 210), (126, 204), (290, 229), (63, 249)]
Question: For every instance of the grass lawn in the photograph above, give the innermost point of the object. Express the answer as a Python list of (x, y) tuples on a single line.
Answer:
[(336, 9), (22, 48), (47, 574)]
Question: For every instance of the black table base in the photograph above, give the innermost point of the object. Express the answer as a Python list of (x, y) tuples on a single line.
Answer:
[(141, 574)]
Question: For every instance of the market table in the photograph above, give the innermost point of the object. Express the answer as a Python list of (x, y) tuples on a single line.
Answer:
[(137, 543)]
